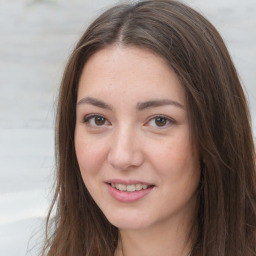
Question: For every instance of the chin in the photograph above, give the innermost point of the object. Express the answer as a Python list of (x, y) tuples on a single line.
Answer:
[(129, 221)]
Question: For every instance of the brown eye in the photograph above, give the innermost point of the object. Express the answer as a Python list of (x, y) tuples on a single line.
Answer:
[(99, 120), (160, 121), (95, 120)]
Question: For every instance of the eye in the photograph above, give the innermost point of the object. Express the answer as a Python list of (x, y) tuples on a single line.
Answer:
[(95, 120), (160, 121)]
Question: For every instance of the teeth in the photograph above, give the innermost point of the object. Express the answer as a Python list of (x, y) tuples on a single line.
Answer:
[(121, 187), (129, 188), (138, 186)]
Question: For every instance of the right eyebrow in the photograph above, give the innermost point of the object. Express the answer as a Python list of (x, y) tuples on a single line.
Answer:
[(94, 102)]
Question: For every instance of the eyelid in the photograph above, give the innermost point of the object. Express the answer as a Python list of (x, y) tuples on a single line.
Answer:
[(170, 120), (88, 117)]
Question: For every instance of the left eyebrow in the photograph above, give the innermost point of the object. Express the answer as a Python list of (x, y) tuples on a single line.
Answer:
[(94, 102), (157, 103)]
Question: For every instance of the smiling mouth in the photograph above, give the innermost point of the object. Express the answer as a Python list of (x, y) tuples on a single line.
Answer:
[(130, 188)]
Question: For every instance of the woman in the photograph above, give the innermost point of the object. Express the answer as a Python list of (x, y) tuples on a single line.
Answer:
[(154, 148)]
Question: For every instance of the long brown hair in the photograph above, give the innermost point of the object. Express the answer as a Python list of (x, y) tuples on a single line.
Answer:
[(220, 126)]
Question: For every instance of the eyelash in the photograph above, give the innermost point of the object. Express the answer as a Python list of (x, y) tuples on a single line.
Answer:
[(168, 120), (88, 118)]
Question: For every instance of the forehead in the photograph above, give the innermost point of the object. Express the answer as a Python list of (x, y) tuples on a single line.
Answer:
[(131, 71)]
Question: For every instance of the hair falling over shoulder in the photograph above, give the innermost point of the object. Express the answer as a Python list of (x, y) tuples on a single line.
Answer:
[(225, 224)]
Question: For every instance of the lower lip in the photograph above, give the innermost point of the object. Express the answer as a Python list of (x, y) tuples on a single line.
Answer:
[(128, 197)]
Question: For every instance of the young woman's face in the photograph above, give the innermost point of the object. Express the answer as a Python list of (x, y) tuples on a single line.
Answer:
[(132, 139)]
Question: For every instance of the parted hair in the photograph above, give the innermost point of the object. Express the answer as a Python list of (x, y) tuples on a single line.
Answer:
[(225, 223)]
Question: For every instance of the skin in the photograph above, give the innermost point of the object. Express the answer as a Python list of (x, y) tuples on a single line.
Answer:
[(129, 142)]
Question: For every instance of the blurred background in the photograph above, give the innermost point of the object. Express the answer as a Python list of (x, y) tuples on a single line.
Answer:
[(36, 38)]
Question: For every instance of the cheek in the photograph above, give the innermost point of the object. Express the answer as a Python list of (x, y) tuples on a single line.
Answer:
[(174, 153), (179, 172), (91, 154), (177, 163), (90, 159)]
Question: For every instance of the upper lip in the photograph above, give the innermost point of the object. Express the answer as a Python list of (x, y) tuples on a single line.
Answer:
[(127, 182)]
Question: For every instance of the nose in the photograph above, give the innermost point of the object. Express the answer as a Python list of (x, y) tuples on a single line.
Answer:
[(125, 150)]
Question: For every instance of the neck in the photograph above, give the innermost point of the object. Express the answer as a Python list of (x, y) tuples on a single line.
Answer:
[(156, 240)]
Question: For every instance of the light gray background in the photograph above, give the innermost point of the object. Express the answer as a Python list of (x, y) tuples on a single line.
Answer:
[(36, 38)]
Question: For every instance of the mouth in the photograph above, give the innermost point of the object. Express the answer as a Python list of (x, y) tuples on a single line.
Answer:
[(128, 191), (130, 187)]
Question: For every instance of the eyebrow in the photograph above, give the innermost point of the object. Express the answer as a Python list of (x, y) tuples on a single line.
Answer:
[(158, 103), (94, 102), (140, 106)]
